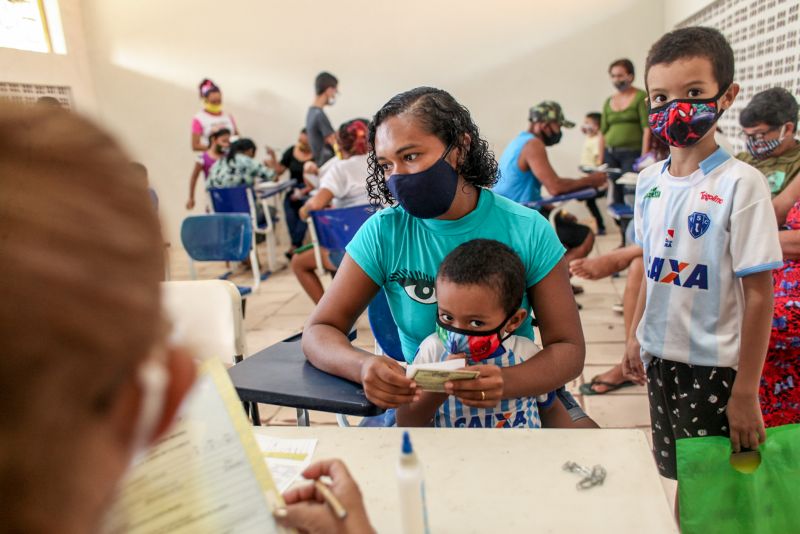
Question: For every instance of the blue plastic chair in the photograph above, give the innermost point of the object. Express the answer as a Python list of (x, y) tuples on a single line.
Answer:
[(384, 328), (560, 200), (334, 228), (241, 200), (220, 237)]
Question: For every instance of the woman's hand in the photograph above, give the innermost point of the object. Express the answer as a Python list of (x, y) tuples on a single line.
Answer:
[(485, 391), (385, 383), (307, 511), (632, 368), (190, 204)]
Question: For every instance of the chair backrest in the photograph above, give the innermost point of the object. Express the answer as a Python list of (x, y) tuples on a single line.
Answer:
[(384, 327), (335, 228), (206, 317), (230, 199), (217, 237)]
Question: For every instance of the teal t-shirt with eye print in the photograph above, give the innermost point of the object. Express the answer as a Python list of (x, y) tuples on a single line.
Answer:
[(402, 254)]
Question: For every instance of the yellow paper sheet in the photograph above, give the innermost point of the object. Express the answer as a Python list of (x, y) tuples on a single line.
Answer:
[(205, 475)]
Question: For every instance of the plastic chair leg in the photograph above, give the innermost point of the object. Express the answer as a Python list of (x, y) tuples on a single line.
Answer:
[(342, 420), (302, 417), (255, 266)]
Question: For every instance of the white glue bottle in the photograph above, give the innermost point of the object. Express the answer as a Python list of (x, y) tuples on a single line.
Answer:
[(411, 486)]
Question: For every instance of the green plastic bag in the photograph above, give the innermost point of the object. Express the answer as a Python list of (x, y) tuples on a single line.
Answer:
[(716, 498)]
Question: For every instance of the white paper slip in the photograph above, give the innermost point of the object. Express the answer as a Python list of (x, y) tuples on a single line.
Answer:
[(205, 475), (433, 376), (286, 458)]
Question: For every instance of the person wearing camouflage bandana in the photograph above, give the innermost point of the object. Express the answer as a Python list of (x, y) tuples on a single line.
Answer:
[(525, 168)]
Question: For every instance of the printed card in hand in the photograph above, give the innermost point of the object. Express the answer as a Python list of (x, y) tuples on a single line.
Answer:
[(432, 376)]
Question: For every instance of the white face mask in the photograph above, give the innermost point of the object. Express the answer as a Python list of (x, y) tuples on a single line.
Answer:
[(331, 100), (153, 379)]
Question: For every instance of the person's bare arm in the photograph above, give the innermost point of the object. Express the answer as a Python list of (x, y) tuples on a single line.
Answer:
[(193, 184), (420, 412), (197, 145), (632, 367), (790, 244), (326, 346), (786, 199), (563, 346), (534, 157), (317, 202), (744, 411), (274, 163), (559, 361)]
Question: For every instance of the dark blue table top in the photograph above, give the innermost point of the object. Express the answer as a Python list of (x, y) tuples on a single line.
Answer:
[(280, 374)]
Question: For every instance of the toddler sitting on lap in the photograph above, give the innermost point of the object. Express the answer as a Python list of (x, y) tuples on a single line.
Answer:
[(479, 288)]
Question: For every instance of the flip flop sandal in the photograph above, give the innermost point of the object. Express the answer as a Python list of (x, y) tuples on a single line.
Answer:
[(587, 389)]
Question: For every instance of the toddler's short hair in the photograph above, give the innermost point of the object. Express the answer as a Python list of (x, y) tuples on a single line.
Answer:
[(696, 41), (489, 263)]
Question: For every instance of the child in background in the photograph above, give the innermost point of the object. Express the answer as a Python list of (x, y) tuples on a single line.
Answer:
[(479, 289), (590, 154), (219, 141), (710, 239), (591, 157)]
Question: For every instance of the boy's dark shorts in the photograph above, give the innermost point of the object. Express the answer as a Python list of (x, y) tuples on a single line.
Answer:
[(686, 401)]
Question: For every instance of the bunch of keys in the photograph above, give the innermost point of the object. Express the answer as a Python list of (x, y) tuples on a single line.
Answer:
[(592, 477)]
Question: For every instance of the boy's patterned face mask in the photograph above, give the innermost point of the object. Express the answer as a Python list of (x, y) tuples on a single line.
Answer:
[(684, 121), (476, 346)]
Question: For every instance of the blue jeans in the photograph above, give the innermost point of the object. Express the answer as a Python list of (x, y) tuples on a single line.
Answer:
[(622, 158)]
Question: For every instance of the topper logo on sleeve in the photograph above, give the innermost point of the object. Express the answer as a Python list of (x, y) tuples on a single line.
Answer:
[(708, 197), (698, 224)]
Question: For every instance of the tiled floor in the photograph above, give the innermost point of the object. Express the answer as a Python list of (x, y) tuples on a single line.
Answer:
[(280, 308)]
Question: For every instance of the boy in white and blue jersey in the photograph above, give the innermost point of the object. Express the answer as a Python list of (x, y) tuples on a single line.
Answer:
[(710, 238), (479, 287)]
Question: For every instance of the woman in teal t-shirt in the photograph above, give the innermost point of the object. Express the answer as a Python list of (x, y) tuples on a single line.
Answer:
[(427, 155)]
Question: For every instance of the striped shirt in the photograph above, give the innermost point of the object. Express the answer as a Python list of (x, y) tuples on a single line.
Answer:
[(701, 234), (509, 413)]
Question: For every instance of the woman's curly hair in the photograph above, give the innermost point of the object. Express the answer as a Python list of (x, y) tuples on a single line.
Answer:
[(440, 114)]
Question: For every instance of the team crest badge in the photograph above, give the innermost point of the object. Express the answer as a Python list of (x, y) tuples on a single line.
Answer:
[(698, 224)]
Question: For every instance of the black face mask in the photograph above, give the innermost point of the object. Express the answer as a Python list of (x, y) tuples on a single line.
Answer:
[(550, 139)]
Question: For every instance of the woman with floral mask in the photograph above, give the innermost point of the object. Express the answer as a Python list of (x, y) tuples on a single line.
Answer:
[(211, 117), (769, 122), (625, 135), (427, 157)]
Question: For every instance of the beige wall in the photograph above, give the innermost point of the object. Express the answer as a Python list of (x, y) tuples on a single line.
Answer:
[(676, 11), (498, 58), (71, 69)]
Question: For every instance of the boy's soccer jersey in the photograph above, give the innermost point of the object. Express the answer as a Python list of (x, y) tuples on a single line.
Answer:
[(509, 413), (700, 235)]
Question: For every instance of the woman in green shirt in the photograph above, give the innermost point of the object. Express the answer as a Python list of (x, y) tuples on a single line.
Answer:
[(625, 133)]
